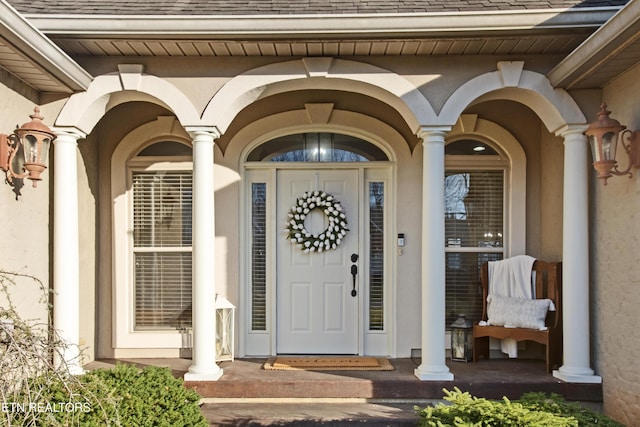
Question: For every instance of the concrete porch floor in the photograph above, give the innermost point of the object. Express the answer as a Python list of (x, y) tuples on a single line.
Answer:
[(246, 395), (495, 378)]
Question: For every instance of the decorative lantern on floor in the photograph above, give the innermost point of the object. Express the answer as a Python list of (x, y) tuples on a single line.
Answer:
[(225, 313), (461, 339)]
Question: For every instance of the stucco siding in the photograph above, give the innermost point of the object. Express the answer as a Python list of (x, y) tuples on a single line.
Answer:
[(25, 231), (616, 268)]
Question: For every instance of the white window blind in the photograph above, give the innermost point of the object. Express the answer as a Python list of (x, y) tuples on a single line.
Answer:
[(376, 256), (259, 256), (162, 209), (474, 234)]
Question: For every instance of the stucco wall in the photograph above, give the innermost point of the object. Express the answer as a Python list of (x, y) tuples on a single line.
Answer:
[(25, 232), (616, 267)]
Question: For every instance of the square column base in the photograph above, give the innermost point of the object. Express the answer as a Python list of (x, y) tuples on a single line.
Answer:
[(203, 376), (577, 377), (441, 374)]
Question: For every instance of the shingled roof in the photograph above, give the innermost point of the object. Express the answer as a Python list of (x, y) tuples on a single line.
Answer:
[(290, 7)]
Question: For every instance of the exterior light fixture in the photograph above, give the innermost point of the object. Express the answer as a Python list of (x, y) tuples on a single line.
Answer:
[(23, 154), (462, 339), (225, 314), (603, 136)]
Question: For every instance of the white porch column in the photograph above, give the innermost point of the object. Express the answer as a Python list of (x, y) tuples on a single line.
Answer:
[(204, 367), (433, 366), (66, 248), (576, 365)]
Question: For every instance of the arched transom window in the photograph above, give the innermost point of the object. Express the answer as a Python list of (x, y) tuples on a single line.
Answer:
[(317, 147)]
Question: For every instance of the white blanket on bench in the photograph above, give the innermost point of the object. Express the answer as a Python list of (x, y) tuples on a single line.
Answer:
[(511, 277)]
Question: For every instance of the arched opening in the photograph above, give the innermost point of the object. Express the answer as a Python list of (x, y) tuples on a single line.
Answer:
[(476, 194), (151, 193)]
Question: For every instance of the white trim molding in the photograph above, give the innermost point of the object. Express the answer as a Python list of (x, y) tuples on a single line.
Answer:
[(319, 25)]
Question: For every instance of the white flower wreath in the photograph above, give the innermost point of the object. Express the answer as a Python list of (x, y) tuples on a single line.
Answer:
[(328, 239)]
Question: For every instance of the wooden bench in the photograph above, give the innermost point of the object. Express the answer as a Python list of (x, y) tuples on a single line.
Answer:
[(548, 285)]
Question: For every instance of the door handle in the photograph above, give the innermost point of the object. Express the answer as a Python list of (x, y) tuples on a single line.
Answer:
[(354, 275)]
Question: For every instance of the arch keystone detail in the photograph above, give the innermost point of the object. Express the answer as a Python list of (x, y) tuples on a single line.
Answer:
[(319, 113), (510, 72), (317, 67), (468, 122), (130, 76)]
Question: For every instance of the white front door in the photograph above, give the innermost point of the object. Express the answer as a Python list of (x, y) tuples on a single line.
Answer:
[(316, 310)]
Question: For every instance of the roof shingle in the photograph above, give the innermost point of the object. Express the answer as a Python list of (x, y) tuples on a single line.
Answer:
[(290, 7)]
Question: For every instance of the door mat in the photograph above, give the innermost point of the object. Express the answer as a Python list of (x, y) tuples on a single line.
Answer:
[(328, 364)]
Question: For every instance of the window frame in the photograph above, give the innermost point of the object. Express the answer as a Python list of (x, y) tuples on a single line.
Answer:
[(125, 161), (141, 249), (511, 159), (510, 151), (493, 251)]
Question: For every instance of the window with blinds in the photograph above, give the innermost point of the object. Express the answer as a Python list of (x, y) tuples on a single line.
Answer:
[(474, 234), (376, 256), (259, 256), (162, 209)]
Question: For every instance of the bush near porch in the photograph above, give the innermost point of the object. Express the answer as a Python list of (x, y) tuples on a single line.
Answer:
[(532, 410), (36, 391), (128, 396)]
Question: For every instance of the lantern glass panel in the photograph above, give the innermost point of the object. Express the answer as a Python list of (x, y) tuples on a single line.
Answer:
[(31, 148), (609, 146), (223, 333), (44, 152), (225, 313), (595, 151), (458, 344)]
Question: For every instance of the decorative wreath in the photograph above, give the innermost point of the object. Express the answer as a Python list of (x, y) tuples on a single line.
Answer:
[(330, 238)]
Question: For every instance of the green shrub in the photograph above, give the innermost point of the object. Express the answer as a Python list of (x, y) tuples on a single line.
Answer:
[(533, 410), (122, 396), (556, 404)]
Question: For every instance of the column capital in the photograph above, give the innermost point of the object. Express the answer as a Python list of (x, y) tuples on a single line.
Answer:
[(203, 131), (568, 131), (433, 133), (69, 132)]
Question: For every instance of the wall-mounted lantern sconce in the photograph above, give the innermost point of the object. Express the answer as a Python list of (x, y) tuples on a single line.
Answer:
[(32, 140), (603, 136)]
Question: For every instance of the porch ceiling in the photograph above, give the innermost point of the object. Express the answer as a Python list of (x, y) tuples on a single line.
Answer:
[(608, 53), (22, 67), (215, 47), (31, 63)]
